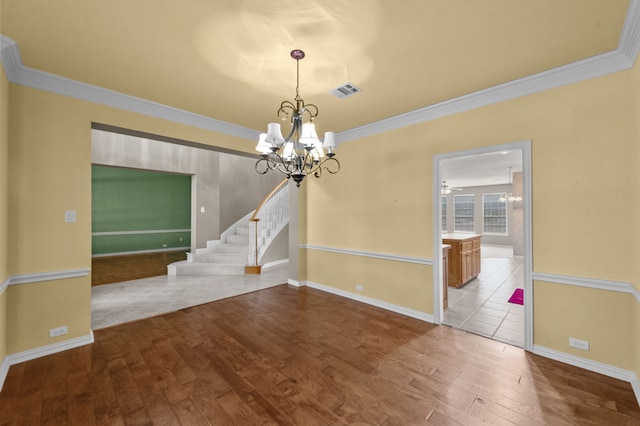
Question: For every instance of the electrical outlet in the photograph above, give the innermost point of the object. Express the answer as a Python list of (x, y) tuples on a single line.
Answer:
[(359, 287), (164, 245), (579, 344), (54, 332)]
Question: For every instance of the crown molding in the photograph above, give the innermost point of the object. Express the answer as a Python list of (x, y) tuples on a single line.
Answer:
[(17, 73), (618, 60), (629, 44), (597, 66)]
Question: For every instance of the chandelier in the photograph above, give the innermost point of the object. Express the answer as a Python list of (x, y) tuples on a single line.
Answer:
[(510, 197), (301, 153)]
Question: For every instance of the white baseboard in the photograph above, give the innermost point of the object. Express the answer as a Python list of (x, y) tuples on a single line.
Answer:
[(275, 263), (294, 283), (4, 370), (30, 354), (422, 316), (595, 366)]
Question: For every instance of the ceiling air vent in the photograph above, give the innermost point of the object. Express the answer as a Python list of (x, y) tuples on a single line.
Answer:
[(347, 89)]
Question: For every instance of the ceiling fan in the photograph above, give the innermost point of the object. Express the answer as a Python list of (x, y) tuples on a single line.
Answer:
[(445, 189)]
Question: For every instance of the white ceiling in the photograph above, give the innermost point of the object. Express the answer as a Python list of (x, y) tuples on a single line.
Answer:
[(480, 170)]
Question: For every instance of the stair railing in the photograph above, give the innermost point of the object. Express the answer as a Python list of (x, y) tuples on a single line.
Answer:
[(273, 205)]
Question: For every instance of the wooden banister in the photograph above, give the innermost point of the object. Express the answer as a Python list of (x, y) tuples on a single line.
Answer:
[(265, 199)]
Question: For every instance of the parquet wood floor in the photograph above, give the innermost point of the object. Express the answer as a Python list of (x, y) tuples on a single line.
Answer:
[(115, 269), (291, 356)]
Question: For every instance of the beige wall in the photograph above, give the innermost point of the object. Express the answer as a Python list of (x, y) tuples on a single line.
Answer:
[(584, 137), (635, 232), (4, 203), (50, 171)]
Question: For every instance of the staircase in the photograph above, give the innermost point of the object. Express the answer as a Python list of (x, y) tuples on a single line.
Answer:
[(244, 243)]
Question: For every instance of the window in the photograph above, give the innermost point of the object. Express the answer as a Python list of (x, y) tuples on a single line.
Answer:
[(444, 214), (463, 212), (494, 217)]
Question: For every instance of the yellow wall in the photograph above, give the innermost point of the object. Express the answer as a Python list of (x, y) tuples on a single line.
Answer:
[(4, 202), (636, 228), (582, 137), (50, 171)]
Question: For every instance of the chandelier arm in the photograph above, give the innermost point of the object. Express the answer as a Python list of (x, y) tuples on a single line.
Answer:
[(286, 110), (280, 164), (311, 110)]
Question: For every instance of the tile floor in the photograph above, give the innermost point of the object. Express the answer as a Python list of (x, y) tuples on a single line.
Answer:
[(482, 307), (113, 304)]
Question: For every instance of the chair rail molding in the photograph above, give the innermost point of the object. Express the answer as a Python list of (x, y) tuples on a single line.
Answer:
[(598, 284), (371, 254)]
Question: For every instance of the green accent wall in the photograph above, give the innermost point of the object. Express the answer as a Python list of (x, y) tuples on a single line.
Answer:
[(133, 202)]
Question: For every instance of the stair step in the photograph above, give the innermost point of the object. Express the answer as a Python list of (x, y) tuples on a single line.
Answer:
[(238, 239), (230, 254), (221, 258), (185, 268), (242, 230), (230, 248)]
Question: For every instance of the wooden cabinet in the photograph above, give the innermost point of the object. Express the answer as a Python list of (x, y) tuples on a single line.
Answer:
[(464, 257)]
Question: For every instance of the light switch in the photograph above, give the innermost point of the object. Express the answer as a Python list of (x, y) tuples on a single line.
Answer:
[(70, 216), (201, 209)]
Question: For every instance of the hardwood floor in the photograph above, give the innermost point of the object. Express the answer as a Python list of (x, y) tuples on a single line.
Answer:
[(293, 356), (114, 269)]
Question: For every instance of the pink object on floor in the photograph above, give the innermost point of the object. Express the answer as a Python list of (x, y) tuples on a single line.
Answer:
[(517, 297)]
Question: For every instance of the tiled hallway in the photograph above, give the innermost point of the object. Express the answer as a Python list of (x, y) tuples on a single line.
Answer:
[(118, 303), (482, 307)]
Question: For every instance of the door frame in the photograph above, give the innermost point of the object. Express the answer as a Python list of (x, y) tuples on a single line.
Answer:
[(525, 147)]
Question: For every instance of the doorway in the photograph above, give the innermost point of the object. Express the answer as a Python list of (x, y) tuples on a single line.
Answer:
[(470, 183)]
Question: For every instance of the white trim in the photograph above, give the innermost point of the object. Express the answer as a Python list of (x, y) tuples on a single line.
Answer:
[(294, 283), (376, 255), (618, 286), (4, 285), (275, 263), (30, 354), (48, 276), (10, 56), (596, 66), (525, 148), (620, 59), (423, 316), (150, 231), (629, 43), (17, 73), (124, 253), (4, 370), (595, 366), (635, 385)]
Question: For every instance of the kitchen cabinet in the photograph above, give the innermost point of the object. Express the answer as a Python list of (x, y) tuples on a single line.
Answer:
[(464, 257)]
